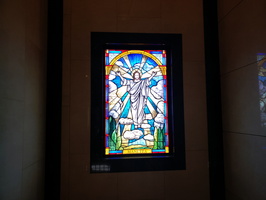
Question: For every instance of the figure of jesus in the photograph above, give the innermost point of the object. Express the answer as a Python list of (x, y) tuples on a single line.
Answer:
[(139, 91)]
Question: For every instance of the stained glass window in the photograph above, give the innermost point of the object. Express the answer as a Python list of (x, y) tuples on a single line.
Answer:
[(137, 112), (136, 116), (262, 86)]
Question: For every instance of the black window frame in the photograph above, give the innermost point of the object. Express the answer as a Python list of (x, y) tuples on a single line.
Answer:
[(175, 160)]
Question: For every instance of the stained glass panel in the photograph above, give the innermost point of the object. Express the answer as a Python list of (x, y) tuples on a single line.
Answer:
[(262, 86), (136, 116)]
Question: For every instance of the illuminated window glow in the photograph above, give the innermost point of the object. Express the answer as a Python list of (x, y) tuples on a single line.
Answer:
[(136, 116), (262, 86)]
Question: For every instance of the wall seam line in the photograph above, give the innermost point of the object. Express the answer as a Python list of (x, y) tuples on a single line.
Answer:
[(228, 13), (241, 133)]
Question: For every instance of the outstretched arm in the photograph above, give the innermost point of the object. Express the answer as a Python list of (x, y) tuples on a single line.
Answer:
[(152, 75), (118, 73)]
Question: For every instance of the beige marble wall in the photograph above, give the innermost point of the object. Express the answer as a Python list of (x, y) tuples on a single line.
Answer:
[(149, 16), (242, 29), (22, 98)]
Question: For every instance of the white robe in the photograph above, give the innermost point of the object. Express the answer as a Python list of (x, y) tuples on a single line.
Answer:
[(139, 92)]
